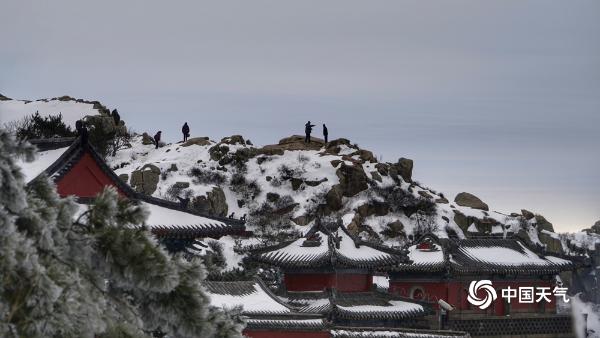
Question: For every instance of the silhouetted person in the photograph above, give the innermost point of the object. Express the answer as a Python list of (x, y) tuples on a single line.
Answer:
[(243, 219), (325, 133), (157, 138), (116, 116), (186, 131), (307, 130), (82, 131)]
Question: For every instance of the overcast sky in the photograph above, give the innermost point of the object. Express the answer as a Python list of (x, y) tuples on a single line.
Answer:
[(498, 98)]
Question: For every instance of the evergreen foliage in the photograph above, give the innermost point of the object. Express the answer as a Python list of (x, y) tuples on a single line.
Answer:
[(35, 127), (69, 272)]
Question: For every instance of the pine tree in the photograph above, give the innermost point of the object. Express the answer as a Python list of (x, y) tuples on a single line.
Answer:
[(67, 270)]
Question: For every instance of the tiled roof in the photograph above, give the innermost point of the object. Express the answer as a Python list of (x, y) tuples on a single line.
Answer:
[(371, 305), (252, 296), (166, 220), (489, 255), (326, 247), (400, 333), (315, 324)]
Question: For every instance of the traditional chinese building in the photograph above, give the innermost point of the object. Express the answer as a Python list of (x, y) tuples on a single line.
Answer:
[(443, 269), (78, 170)]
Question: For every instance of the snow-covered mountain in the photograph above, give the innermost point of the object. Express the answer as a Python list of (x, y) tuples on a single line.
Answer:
[(283, 187), (70, 108)]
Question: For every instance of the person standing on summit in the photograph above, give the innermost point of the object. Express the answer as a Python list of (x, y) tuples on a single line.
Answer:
[(186, 131), (307, 130), (157, 138), (325, 133)]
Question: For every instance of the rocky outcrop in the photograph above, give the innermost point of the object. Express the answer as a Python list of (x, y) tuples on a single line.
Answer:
[(295, 142), (233, 140), (543, 224), (214, 203), (527, 214), (146, 179), (373, 208), (402, 168), (334, 198), (198, 141), (466, 199), (352, 179), (147, 139), (553, 245)]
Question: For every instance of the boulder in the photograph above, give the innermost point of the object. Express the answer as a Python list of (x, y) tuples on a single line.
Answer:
[(355, 225), (333, 198), (373, 208), (461, 220), (366, 156), (402, 168), (469, 200), (425, 194), (335, 163), (272, 197), (296, 183), (595, 228), (543, 224), (315, 183), (198, 141), (527, 214), (173, 167), (295, 142), (375, 175), (214, 203), (303, 220), (181, 185), (147, 139), (442, 200), (394, 229), (352, 179), (382, 169), (233, 139), (553, 245), (146, 179)]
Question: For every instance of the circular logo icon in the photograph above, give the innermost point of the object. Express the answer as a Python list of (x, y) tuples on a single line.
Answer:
[(490, 294)]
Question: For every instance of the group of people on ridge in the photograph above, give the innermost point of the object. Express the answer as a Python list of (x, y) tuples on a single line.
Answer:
[(185, 130), (308, 129)]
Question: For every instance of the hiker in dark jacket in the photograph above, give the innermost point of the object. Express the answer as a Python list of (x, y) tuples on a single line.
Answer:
[(157, 138), (116, 117), (325, 133), (307, 130), (186, 131)]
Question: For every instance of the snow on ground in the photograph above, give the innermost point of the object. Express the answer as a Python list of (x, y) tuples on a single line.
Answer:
[(15, 110), (592, 324), (42, 161)]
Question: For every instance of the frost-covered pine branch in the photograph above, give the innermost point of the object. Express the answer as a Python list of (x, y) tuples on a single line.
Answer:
[(70, 272)]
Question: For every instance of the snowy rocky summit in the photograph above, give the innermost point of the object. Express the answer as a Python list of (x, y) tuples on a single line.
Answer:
[(282, 188)]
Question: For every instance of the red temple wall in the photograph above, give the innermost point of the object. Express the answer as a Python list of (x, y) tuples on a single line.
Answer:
[(281, 334), (85, 179), (321, 281), (455, 293)]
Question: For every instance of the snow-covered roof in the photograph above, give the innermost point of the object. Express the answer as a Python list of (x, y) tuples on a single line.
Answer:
[(43, 160), (491, 255), (370, 305), (252, 296), (166, 219), (326, 247), (400, 333)]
